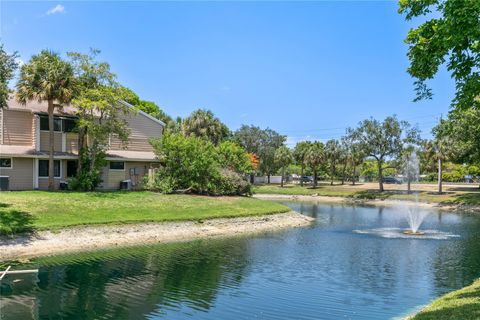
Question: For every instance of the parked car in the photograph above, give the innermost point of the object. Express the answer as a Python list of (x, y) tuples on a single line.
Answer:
[(391, 180), (306, 179)]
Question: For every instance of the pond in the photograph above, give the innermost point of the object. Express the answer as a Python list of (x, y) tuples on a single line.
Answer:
[(338, 268)]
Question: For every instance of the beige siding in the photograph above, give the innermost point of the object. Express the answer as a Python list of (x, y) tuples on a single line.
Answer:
[(17, 128), (141, 130), (112, 178), (43, 181), (72, 142), (44, 143), (21, 174)]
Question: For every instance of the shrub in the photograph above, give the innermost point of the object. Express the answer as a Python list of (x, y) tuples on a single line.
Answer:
[(194, 164), (232, 183)]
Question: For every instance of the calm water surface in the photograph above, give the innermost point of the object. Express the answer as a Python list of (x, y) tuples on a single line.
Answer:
[(325, 271)]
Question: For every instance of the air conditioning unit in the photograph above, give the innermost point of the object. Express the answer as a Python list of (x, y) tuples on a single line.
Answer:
[(126, 185)]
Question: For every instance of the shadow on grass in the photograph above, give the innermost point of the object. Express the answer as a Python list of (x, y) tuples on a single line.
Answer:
[(106, 194), (14, 222), (466, 311), (373, 195), (471, 199)]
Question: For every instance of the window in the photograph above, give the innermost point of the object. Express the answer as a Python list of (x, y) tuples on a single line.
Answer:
[(43, 168), (57, 123), (117, 165), (5, 163), (71, 168), (69, 125)]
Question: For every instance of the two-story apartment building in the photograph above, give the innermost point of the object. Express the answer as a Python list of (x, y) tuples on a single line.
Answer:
[(24, 147)]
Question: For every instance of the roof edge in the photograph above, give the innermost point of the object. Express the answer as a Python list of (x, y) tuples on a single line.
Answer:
[(125, 103)]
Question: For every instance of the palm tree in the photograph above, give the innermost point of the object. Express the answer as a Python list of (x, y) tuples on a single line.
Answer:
[(440, 149), (332, 155), (314, 158), (299, 153), (203, 123), (46, 77), (283, 157)]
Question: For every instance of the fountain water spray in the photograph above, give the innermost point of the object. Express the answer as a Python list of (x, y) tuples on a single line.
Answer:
[(411, 172)]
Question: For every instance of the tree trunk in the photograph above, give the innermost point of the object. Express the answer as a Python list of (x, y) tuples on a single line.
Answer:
[(314, 179), (268, 178), (331, 176), (408, 186), (343, 173), (51, 141), (354, 173), (81, 145), (380, 175), (301, 176), (283, 174), (440, 169)]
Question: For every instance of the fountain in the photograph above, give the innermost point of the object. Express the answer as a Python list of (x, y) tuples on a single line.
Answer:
[(413, 212), (415, 217)]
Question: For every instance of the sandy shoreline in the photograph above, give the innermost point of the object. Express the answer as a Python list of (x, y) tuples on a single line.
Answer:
[(86, 238), (376, 202)]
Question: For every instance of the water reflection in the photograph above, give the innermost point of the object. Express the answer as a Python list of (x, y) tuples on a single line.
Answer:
[(325, 271)]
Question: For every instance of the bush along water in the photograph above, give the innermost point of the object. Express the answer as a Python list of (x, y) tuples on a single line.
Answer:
[(196, 165)]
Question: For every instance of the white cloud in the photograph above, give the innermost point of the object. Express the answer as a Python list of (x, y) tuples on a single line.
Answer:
[(57, 9)]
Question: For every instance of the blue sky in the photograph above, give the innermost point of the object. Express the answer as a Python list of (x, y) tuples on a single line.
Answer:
[(305, 69)]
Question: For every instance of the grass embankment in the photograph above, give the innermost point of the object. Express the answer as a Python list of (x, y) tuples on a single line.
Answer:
[(462, 304), (366, 192), (38, 210)]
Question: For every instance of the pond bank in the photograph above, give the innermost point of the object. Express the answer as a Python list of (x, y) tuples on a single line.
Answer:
[(85, 238), (374, 202)]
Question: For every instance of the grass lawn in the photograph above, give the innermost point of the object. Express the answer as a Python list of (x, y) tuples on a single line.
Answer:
[(38, 210), (462, 304), (367, 192)]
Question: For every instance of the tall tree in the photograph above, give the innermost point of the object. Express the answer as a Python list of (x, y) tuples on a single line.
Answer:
[(446, 144), (314, 158), (263, 143), (234, 157), (203, 123), (354, 153), (8, 65), (99, 108), (283, 158), (451, 35), (333, 154), (385, 140), (299, 154), (47, 77)]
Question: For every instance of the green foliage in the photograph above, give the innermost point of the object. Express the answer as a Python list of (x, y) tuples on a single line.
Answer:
[(89, 177), (462, 127), (451, 37), (300, 151), (333, 155), (8, 65), (192, 163), (314, 158), (261, 142), (283, 157), (232, 183), (233, 157), (203, 123), (46, 76), (385, 140), (99, 109)]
